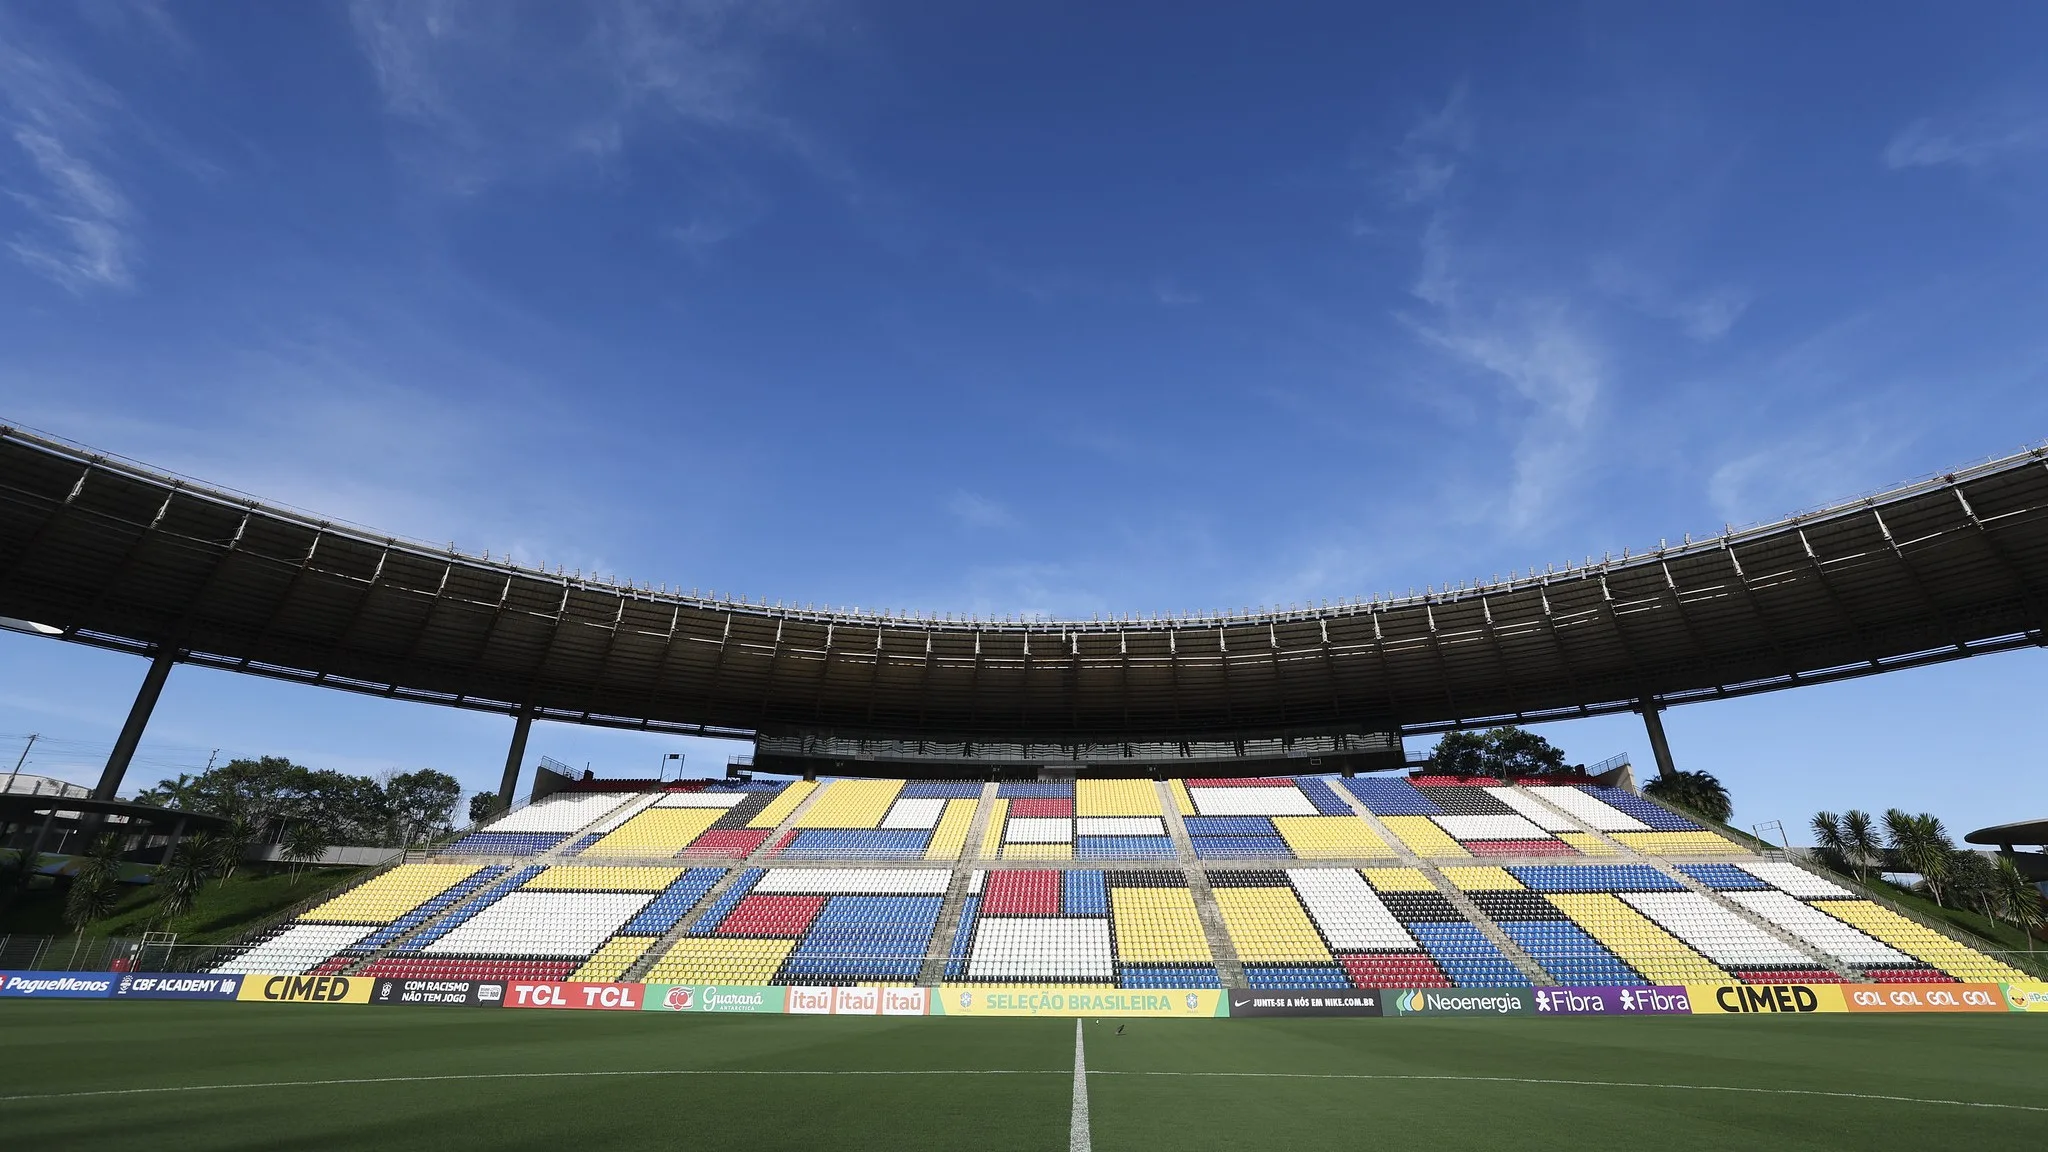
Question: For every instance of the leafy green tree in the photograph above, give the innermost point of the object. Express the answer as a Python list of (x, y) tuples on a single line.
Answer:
[(1698, 792), (271, 791), (420, 802), (1505, 752), (1971, 879), (482, 807)]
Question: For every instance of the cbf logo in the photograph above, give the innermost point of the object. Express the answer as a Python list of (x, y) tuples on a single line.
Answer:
[(679, 999), (967, 999), (1192, 1001)]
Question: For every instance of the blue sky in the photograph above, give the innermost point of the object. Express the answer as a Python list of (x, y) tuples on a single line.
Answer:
[(1035, 308)]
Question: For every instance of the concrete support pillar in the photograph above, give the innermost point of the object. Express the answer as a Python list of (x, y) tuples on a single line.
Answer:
[(515, 758), (1659, 746), (138, 719)]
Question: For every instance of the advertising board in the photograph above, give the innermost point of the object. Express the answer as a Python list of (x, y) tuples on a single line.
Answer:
[(305, 989), (1460, 1001), (1659, 1000), (440, 993), (712, 998), (579, 995), (1362, 1003), (177, 986), (57, 985), (1924, 998), (2026, 997), (1051, 1000), (1732, 999)]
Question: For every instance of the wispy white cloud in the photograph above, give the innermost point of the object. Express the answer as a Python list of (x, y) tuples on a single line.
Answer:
[(495, 87), (77, 226), (1429, 155), (1976, 141), (1705, 315), (977, 511), (1172, 293)]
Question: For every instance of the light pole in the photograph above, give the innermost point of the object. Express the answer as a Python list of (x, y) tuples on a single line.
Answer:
[(661, 773), (22, 760)]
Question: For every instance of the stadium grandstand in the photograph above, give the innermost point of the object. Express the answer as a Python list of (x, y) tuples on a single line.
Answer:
[(1165, 802)]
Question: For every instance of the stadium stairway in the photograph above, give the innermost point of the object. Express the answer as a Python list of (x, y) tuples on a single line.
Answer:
[(1821, 959), (956, 891), (757, 858), (1222, 949), (1508, 945)]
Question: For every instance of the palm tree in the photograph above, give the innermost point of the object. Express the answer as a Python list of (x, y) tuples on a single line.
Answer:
[(1829, 838), (183, 876), (95, 888), (2020, 900), (1923, 846), (305, 841), (1860, 842), (1973, 880), (229, 845), (1698, 792)]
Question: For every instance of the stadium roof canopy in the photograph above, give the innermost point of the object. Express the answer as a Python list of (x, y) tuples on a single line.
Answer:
[(107, 552)]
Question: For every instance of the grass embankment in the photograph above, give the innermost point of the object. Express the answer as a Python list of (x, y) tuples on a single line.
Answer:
[(223, 910), (245, 1076)]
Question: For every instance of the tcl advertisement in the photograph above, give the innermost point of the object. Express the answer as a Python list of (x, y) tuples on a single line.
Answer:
[(559, 994)]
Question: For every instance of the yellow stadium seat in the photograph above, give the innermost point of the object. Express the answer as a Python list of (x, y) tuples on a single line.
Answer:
[(1116, 798), (382, 899), (1398, 880), (1422, 836), (611, 961), (1485, 878), (785, 802), (720, 960), (951, 834), (655, 832), (1268, 925), (603, 878), (1921, 942), (1648, 948), (1330, 837), (1158, 926), (850, 804)]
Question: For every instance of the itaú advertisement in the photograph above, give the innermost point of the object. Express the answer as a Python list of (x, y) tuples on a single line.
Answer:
[(1051, 1000), (1784, 999), (305, 989), (858, 1001), (575, 994), (1924, 997), (2026, 997)]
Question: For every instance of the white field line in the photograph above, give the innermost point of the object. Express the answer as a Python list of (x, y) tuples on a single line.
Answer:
[(1362, 1076), (1078, 1139), (1594, 1084), (526, 1076)]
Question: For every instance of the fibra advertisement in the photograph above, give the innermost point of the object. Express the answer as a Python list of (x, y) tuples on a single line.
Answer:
[(1657, 1000)]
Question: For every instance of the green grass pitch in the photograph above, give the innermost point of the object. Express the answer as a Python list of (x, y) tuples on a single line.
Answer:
[(745, 1082)]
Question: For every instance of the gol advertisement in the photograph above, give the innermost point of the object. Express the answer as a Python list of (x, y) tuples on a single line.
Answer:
[(1720, 999), (1051, 1000), (306, 989), (1924, 998)]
